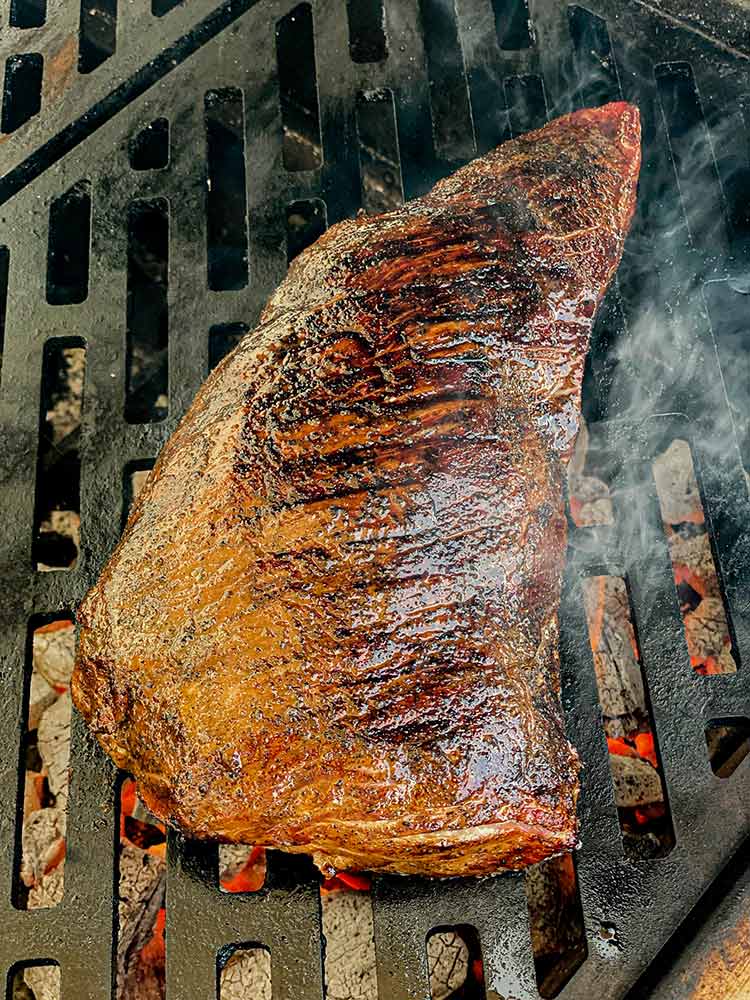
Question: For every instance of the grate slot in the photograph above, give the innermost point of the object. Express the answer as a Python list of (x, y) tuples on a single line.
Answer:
[(512, 24), (306, 220), (605, 377), (149, 148), (598, 80), (379, 157), (727, 308), (28, 13), (454, 963), (640, 791), (147, 357), (558, 934), (728, 744), (730, 137), (692, 154), (97, 33), (449, 96), (527, 104), (298, 90), (58, 478), (704, 615), (367, 39), (222, 339), (68, 246), (22, 91), (27, 980), (226, 196), (349, 946), (141, 880), (244, 970), (44, 765)]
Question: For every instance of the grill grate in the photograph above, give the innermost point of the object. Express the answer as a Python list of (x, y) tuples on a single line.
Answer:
[(220, 91)]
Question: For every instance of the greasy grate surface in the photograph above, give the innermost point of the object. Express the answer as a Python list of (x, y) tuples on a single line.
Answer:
[(455, 79)]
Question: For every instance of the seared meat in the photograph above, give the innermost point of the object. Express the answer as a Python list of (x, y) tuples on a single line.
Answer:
[(331, 624)]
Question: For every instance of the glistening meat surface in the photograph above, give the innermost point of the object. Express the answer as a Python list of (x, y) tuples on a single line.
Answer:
[(331, 623)]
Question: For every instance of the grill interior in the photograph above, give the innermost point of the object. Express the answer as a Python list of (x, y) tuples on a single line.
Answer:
[(160, 167)]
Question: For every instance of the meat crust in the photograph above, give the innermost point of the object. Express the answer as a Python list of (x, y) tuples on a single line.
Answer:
[(331, 623)]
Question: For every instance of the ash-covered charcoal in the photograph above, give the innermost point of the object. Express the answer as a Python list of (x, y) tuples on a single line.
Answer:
[(636, 775), (53, 740), (706, 626), (42, 844), (636, 782), (66, 396), (43, 981), (58, 542), (232, 859), (247, 974), (142, 881), (47, 752), (141, 897), (708, 638), (53, 652), (241, 868), (613, 643), (41, 695), (350, 945), (447, 962), (138, 481), (690, 552), (556, 922), (48, 891), (676, 485), (588, 496)]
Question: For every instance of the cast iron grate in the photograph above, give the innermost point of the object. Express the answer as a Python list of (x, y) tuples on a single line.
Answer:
[(276, 103)]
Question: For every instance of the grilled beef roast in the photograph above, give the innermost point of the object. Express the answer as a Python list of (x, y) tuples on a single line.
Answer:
[(331, 624)]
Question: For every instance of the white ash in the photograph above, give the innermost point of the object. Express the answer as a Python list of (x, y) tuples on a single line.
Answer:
[(54, 747), (350, 946), (138, 481), (43, 981), (232, 859), (618, 673), (48, 891), (695, 552), (676, 485), (41, 838), (246, 975), (447, 963), (636, 782), (64, 416), (53, 654), (41, 696), (706, 629), (142, 887)]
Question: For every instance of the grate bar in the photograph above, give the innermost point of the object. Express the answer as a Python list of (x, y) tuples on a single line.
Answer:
[(405, 910), (579, 57), (284, 916)]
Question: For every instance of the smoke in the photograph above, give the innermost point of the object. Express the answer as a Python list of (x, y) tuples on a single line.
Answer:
[(669, 357)]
